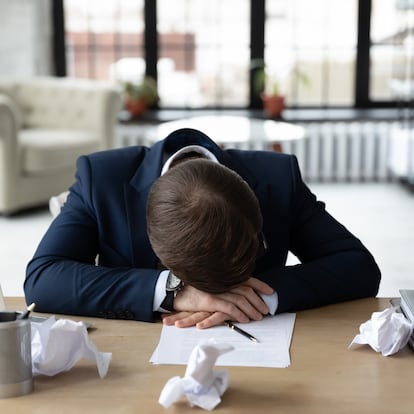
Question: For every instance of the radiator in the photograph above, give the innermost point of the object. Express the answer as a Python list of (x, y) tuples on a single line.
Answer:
[(344, 151), (330, 151)]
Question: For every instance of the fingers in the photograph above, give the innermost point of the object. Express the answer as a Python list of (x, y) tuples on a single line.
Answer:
[(201, 320), (184, 319), (248, 301), (171, 318), (241, 304), (259, 286), (214, 319), (246, 298), (230, 304), (192, 319)]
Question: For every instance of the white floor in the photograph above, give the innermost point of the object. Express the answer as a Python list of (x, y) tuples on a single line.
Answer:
[(381, 215)]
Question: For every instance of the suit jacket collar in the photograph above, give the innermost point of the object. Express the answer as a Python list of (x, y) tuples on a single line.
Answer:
[(150, 168)]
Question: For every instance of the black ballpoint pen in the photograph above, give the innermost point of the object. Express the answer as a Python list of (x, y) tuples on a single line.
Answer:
[(235, 328)]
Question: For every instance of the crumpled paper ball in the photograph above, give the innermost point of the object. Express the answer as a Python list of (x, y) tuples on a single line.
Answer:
[(201, 385), (57, 345), (386, 332)]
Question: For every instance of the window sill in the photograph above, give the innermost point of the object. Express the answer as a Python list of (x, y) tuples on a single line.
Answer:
[(289, 115)]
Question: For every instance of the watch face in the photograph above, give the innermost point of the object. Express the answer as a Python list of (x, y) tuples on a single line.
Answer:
[(173, 282)]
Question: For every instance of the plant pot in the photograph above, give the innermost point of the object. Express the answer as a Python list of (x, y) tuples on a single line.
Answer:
[(136, 107), (273, 105)]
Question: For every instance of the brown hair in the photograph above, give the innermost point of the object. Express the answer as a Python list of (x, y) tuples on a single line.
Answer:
[(203, 222)]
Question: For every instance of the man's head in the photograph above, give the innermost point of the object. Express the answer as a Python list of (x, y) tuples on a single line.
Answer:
[(204, 224)]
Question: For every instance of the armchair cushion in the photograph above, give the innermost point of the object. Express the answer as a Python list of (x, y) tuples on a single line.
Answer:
[(44, 151)]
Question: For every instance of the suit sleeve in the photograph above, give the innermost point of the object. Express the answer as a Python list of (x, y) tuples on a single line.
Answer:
[(62, 277), (334, 265)]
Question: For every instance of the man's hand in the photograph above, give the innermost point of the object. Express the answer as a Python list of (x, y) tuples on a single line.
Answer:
[(201, 320), (241, 304)]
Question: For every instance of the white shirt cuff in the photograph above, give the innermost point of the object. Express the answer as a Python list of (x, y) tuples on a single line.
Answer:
[(272, 301), (159, 293)]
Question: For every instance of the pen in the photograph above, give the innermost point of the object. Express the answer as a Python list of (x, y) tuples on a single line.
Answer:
[(26, 314), (235, 328)]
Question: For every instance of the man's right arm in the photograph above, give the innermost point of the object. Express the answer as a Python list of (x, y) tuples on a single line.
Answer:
[(62, 277), (69, 287)]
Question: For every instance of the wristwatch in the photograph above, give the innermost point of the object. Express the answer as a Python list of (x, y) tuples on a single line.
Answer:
[(173, 286)]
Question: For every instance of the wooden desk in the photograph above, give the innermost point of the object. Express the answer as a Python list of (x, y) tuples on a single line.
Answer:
[(324, 376)]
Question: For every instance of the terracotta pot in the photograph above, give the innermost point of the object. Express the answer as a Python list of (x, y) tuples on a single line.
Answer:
[(273, 105), (136, 107)]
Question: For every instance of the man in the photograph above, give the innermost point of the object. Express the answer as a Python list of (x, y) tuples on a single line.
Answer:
[(102, 257)]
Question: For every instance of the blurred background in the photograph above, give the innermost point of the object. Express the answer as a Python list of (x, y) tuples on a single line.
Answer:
[(344, 68)]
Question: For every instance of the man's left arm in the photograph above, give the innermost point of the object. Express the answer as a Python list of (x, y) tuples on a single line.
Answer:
[(335, 265)]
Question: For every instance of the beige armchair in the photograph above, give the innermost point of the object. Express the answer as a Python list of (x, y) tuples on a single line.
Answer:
[(45, 125)]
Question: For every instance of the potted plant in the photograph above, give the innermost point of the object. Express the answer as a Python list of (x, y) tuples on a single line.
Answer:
[(267, 86), (273, 101), (140, 96)]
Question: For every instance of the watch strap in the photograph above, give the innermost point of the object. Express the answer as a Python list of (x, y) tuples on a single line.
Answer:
[(171, 292), (168, 302)]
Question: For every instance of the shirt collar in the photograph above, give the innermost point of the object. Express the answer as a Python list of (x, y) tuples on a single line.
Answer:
[(204, 152)]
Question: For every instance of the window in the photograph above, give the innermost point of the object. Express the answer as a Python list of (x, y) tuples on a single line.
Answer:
[(204, 52), (313, 40), (104, 39), (200, 51), (391, 52)]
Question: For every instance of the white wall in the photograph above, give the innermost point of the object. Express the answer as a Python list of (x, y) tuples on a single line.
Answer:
[(25, 38)]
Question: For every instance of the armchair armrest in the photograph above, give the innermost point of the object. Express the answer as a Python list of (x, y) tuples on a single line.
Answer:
[(10, 120), (9, 123)]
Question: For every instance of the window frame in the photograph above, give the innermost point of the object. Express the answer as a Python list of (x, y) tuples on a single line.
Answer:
[(257, 50)]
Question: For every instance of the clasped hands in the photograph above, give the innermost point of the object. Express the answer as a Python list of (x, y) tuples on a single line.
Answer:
[(204, 310)]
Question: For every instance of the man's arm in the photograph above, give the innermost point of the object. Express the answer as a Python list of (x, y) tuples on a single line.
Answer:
[(335, 265), (62, 277)]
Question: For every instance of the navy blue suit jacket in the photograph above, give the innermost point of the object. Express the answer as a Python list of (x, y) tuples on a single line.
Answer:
[(104, 216)]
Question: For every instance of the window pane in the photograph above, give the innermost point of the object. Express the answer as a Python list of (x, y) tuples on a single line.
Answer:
[(204, 52), (104, 39), (316, 41), (392, 64)]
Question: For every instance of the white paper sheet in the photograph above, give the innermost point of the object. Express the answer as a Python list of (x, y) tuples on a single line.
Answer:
[(273, 332)]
